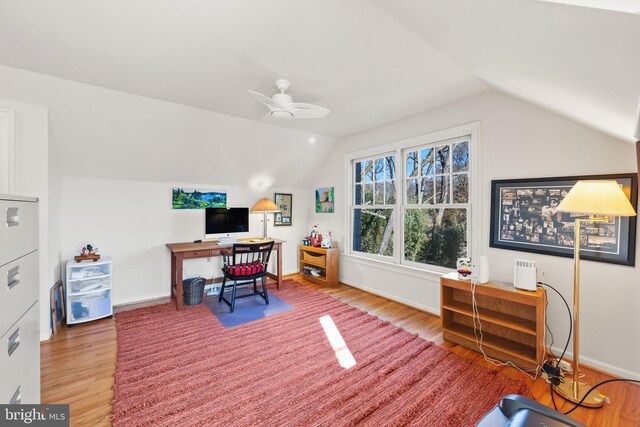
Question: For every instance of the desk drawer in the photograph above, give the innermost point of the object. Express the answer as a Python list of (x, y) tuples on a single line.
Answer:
[(20, 361), (197, 254), (314, 258), (18, 288), (18, 229)]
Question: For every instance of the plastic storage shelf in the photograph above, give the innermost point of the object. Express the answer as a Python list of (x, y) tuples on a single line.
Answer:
[(88, 290)]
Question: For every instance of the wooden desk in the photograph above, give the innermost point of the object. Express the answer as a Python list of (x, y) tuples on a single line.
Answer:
[(188, 250)]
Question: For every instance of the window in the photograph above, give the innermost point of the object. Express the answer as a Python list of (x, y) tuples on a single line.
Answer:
[(436, 203), (374, 193), (417, 212)]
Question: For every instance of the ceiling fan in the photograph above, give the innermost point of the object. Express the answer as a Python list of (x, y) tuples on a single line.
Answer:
[(282, 107)]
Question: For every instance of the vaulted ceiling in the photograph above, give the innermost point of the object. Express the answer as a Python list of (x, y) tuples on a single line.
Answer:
[(369, 61)]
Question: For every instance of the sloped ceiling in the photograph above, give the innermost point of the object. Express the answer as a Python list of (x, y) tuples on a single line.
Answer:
[(580, 62), (370, 61), (348, 56)]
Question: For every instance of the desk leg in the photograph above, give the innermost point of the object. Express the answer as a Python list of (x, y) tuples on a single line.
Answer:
[(179, 300), (173, 276), (279, 262)]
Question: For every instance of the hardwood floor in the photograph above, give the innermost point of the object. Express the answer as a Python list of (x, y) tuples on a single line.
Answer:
[(78, 364)]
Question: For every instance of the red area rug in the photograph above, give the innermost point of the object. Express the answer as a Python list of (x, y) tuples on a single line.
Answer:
[(185, 369)]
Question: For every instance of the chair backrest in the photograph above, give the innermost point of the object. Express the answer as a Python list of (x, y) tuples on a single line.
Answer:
[(247, 253)]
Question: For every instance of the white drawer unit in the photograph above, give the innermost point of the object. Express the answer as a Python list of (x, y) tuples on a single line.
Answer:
[(20, 360), (88, 290), (19, 315), (18, 288), (18, 228)]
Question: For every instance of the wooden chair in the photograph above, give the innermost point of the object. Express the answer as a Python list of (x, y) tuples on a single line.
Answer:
[(247, 261)]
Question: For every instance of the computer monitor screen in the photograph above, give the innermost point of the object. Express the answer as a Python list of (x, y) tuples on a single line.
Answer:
[(225, 221)]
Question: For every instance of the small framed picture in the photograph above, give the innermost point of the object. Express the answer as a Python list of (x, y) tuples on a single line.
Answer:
[(285, 203), (57, 307)]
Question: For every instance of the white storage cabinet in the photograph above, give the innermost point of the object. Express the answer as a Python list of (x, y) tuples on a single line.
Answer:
[(88, 290), (19, 315)]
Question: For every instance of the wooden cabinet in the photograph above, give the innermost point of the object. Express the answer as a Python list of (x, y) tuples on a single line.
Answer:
[(512, 320), (319, 265)]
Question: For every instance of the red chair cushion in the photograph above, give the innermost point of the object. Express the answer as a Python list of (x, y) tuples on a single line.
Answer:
[(248, 269)]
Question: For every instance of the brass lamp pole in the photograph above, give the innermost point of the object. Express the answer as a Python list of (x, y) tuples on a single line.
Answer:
[(601, 200)]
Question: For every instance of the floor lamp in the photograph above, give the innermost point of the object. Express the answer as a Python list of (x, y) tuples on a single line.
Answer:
[(265, 206), (600, 200)]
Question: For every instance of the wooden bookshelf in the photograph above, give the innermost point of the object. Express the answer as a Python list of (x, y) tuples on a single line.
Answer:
[(324, 261), (512, 320)]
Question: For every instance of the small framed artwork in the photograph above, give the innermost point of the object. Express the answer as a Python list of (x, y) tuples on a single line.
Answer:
[(285, 203), (191, 198), (524, 217), (324, 200), (57, 307)]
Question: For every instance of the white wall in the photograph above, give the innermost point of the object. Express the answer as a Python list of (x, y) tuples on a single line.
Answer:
[(133, 220), (518, 141), (32, 160)]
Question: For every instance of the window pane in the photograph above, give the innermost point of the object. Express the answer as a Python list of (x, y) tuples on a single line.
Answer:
[(379, 196), (390, 192), (427, 190), (442, 189), (368, 194), (442, 159), (435, 236), (358, 194), (412, 191), (390, 170), (358, 171), (412, 164), (367, 170), (373, 231), (380, 169), (426, 162), (460, 188), (461, 157)]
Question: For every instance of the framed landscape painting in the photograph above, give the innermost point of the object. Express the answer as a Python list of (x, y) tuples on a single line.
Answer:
[(285, 203), (190, 198), (524, 217), (324, 200)]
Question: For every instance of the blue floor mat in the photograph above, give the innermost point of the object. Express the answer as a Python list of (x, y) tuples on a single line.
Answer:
[(247, 309)]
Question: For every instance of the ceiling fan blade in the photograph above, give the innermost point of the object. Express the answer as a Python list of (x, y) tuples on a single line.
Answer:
[(307, 111), (264, 99), (267, 118)]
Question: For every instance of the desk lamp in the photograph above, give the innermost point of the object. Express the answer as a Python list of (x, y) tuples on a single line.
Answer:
[(265, 206), (600, 200)]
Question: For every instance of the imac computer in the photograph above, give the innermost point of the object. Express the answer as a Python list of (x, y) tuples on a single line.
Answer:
[(226, 224)]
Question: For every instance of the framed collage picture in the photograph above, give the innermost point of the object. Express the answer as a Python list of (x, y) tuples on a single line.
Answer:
[(285, 203), (524, 217)]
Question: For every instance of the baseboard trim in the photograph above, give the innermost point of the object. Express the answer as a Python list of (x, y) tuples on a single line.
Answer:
[(426, 309), (599, 366)]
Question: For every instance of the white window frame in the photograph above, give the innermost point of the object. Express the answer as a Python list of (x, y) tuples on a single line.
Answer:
[(352, 206), (470, 131)]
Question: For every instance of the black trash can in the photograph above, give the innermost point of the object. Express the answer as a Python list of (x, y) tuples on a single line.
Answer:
[(192, 290)]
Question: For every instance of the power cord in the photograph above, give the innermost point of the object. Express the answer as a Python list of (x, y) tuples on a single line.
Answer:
[(576, 405), (477, 331)]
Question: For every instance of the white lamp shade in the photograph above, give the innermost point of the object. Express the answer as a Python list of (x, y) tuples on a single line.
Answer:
[(601, 197), (265, 205)]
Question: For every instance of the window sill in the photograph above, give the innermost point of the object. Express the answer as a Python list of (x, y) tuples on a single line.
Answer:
[(422, 273)]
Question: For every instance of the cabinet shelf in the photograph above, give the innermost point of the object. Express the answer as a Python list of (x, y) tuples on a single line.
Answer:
[(315, 264), (325, 260), (496, 317), (501, 344), (512, 320)]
